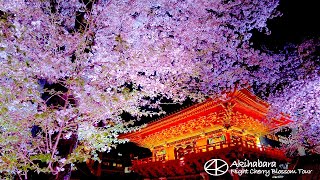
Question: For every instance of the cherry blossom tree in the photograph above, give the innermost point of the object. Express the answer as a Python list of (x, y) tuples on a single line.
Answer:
[(298, 77), (113, 57)]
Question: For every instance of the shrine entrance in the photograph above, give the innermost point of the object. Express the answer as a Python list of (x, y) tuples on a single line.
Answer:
[(181, 143)]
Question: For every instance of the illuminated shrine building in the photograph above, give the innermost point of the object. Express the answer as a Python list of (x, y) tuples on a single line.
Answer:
[(182, 142)]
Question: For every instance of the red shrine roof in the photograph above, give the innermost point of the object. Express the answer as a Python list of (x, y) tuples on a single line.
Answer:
[(242, 111)]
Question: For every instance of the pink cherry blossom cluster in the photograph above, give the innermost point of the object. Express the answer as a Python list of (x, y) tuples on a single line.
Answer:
[(173, 49)]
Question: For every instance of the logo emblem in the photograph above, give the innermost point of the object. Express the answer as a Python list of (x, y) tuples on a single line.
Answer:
[(216, 167)]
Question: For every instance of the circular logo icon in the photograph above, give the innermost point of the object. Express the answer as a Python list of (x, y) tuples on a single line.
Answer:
[(216, 167)]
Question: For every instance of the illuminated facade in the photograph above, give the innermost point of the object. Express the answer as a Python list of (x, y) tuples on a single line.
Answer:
[(214, 127)]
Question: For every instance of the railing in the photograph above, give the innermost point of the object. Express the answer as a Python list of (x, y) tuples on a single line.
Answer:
[(245, 145), (237, 145)]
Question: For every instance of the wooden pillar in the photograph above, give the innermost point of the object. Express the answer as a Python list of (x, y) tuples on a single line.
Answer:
[(258, 143), (170, 153), (153, 154), (228, 139)]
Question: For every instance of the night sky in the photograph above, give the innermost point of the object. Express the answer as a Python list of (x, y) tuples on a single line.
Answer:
[(300, 21)]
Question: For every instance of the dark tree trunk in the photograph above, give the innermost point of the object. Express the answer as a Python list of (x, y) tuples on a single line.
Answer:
[(66, 147)]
